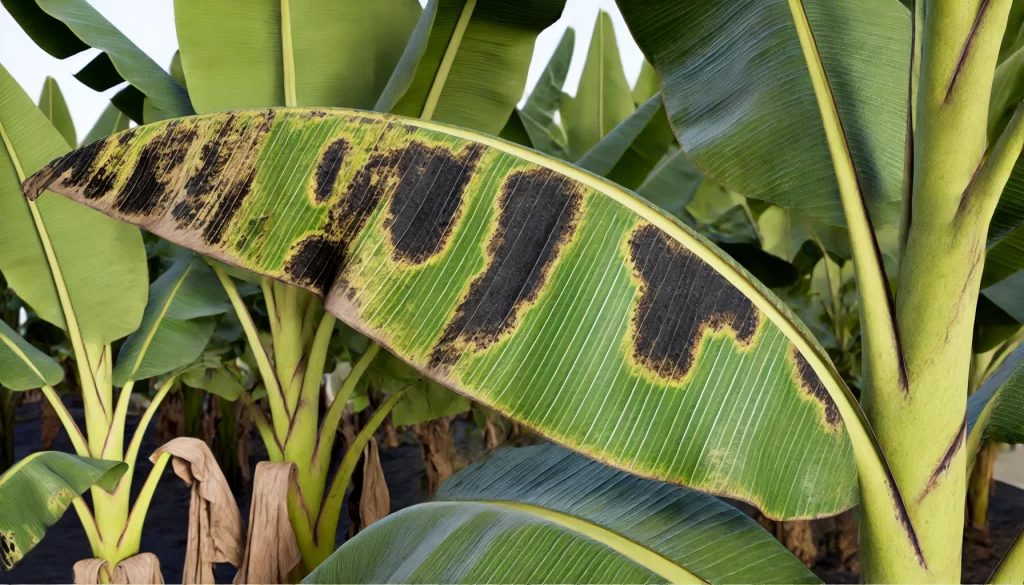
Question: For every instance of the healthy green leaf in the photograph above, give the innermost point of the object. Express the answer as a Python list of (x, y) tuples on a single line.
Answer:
[(177, 323), (67, 27), (538, 113), (546, 515), (515, 279), (52, 103), (996, 410), (672, 183), (629, 153), (214, 377), (1006, 294), (515, 131), (337, 53), (603, 98), (473, 69), (740, 98), (100, 259), (405, 71), (111, 121), (647, 83), (35, 493), (22, 366)]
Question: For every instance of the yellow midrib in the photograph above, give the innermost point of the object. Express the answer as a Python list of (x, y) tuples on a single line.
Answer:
[(85, 368), (288, 56), (639, 554), (159, 319), (437, 87)]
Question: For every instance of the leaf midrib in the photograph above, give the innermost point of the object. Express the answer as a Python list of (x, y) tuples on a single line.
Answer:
[(437, 87), (627, 547)]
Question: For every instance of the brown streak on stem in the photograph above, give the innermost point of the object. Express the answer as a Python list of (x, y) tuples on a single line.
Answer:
[(947, 458), (965, 52)]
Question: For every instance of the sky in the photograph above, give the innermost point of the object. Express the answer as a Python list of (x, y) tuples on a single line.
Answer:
[(150, 25)]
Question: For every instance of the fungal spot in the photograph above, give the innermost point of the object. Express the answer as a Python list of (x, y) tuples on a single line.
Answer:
[(316, 260), (328, 167), (811, 384), (58, 502), (427, 200), (317, 114), (681, 299), (9, 553), (163, 154), (539, 211), (87, 174), (217, 189)]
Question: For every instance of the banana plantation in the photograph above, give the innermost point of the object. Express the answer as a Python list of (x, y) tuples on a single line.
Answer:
[(363, 292)]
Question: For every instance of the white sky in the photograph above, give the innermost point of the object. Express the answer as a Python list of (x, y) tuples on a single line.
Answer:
[(150, 25)]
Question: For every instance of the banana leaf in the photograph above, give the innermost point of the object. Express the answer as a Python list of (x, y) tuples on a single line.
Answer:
[(547, 515), (518, 280), (22, 366), (35, 493), (52, 103)]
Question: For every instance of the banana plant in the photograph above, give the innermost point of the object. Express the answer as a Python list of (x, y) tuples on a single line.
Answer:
[(552, 295), (66, 264)]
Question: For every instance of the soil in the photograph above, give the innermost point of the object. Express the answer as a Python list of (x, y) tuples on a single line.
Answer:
[(167, 522)]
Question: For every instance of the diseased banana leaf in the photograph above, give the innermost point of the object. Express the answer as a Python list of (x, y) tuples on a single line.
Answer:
[(35, 493), (254, 54), (739, 95), (547, 515), (22, 366), (473, 69), (525, 283), (64, 28)]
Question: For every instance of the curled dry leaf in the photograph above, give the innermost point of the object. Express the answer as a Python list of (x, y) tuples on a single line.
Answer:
[(214, 523), (271, 551), (139, 569), (435, 436), (375, 502)]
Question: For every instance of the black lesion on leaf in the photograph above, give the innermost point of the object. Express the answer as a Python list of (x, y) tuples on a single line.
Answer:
[(539, 214), (94, 182), (316, 260), (328, 167), (681, 298), (8, 550), (160, 158), (216, 191), (811, 383), (427, 200)]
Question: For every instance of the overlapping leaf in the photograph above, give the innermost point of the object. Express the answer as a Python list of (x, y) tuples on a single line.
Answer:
[(100, 259), (473, 68), (337, 53), (539, 111), (35, 493), (67, 27), (740, 99), (52, 103), (603, 98), (546, 515), (176, 325), (22, 366), (996, 410)]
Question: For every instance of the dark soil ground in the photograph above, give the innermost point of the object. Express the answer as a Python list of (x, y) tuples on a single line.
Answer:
[(167, 522)]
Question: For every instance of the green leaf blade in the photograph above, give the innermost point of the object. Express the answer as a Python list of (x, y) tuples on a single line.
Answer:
[(479, 513), (101, 259), (35, 493), (22, 366), (752, 122)]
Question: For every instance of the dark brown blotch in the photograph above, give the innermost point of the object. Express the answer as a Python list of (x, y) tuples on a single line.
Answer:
[(146, 187), (328, 167), (316, 260), (217, 189), (539, 212), (428, 198), (681, 298), (811, 384)]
